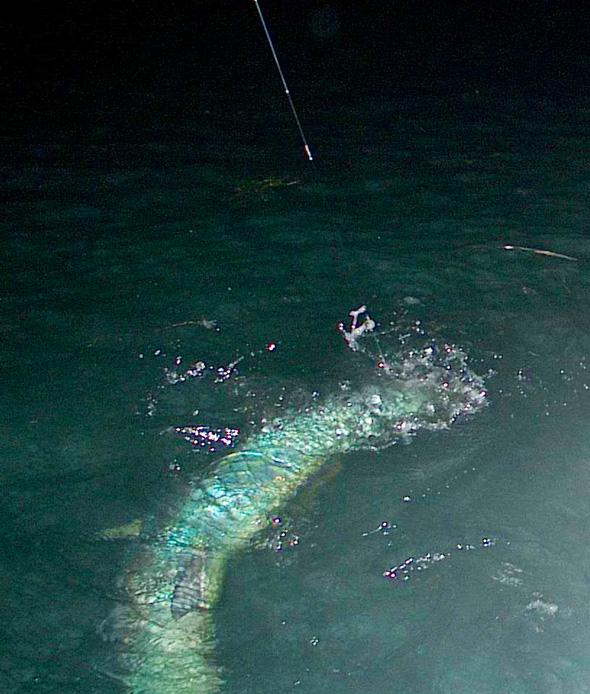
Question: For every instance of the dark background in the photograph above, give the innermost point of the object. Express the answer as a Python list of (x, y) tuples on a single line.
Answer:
[(65, 58)]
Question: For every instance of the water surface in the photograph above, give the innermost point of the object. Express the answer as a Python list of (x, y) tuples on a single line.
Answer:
[(130, 243)]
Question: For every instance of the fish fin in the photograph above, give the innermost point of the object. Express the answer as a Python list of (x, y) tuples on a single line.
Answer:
[(189, 586), (127, 531)]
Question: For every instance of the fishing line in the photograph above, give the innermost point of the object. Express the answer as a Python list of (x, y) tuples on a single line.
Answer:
[(286, 88)]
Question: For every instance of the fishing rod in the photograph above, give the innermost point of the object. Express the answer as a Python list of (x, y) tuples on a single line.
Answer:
[(284, 81)]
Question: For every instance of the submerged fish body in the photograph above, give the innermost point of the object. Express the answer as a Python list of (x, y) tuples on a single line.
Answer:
[(175, 590)]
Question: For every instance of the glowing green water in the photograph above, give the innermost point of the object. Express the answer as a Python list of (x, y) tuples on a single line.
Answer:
[(117, 241)]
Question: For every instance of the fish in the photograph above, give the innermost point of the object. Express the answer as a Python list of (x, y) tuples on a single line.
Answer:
[(178, 585)]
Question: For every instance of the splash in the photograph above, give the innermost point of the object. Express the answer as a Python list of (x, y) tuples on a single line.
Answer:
[(409, 358)]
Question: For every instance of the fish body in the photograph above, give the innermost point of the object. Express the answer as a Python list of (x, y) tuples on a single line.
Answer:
[(176, 589)]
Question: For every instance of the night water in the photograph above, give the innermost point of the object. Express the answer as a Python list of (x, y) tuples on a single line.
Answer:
[(145, 240)]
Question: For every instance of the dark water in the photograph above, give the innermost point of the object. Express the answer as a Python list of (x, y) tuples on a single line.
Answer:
[(121, 233)]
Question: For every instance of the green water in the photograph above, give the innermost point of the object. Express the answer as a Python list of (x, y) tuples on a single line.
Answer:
[(120, 235)]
